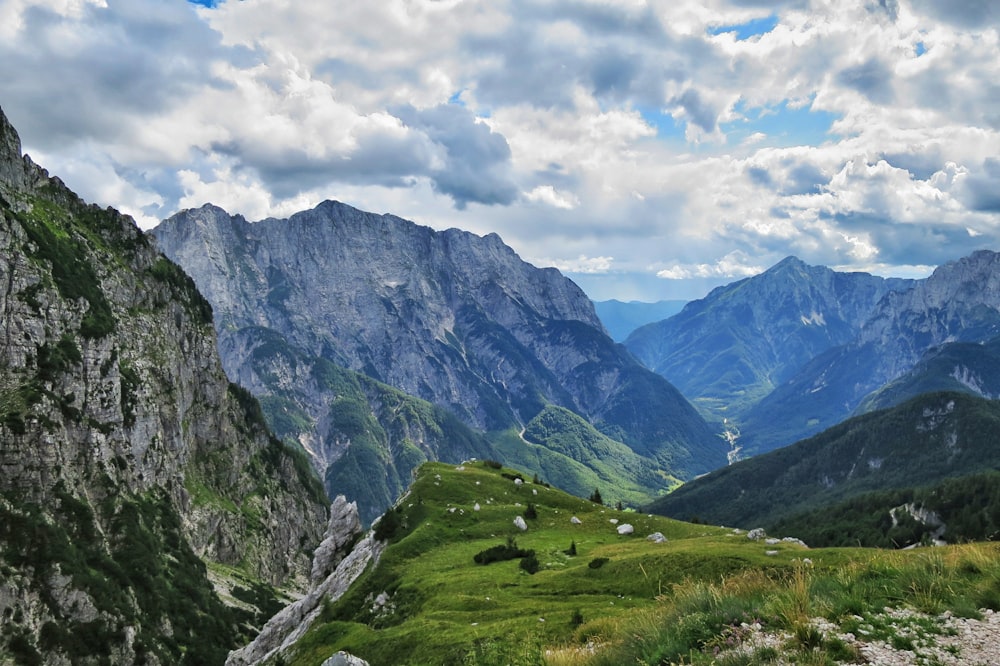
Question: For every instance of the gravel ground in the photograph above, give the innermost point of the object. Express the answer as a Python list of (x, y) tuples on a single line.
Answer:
[(955, 642)]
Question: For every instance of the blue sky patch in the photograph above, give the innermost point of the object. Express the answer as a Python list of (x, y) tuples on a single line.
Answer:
[(666, 126), (205, 3), (752, 28), (920, 48), (783, 125)]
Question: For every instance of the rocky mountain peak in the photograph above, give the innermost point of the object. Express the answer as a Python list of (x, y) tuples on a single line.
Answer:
[(15, 169)]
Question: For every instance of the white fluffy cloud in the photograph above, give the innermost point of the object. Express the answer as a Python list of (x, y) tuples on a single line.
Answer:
[(698, 141)]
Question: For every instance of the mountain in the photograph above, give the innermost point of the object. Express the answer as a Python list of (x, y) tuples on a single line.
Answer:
[(958, 302), (730, 349), (620, 319), (923, 441), (971, 367), (145, 510), (447, 317)]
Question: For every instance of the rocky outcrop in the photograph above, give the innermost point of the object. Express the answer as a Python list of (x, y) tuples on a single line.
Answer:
[(291, 623), (124, 449)]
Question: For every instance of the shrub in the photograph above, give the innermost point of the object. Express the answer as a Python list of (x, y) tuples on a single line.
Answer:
[(572, 548), (531, 513), (598, 562), (595, 497), (530, 562), (508, 551), (492, 464)]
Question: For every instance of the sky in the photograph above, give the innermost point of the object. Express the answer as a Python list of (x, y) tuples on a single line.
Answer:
[(648, 149)]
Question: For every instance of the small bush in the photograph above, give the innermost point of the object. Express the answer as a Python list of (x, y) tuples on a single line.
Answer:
[(576, 619), (502, 553), (571, 551), (530, 562), (598, 562), (492, 464), (531, 513)]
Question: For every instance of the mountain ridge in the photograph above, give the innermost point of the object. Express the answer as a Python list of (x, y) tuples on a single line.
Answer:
[(448, 317)]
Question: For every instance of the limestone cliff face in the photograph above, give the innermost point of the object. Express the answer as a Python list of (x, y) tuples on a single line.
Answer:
[(119, 432), (446, 316), (449, 317)]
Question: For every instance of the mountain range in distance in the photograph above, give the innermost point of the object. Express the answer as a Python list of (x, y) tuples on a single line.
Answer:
[(457, 327), (621, 318)]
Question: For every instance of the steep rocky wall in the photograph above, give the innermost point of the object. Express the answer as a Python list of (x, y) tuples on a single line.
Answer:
[(119, 430)]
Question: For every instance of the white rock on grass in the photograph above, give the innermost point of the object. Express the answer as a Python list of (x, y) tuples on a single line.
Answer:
[(520, 524), (656, 537), (476, 507), (757, 534), (575, 520), (625, 529)]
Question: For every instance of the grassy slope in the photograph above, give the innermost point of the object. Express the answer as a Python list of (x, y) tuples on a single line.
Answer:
[(449, 610)]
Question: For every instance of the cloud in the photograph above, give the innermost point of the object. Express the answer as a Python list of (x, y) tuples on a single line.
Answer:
[(860, 133), (474, 163), (981, 188), (733, 265), (582, 264), (549, 195)]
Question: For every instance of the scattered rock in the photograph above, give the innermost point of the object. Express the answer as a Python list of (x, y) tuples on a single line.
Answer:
[(476, 507), (344, 659), (770, 552), (757, 534), (575, 520), (625, 529), (520, 524), (656, 537), (613, 521)]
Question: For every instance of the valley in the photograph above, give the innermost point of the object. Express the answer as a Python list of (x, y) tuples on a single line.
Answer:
[(170, 445)]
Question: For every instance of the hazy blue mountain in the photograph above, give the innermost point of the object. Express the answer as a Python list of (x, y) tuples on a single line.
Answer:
[(923, 441), (729, 350), (621, 318), (959, 302), (448, 317)]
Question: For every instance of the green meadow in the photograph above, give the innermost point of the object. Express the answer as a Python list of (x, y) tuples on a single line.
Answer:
[(599, 597)]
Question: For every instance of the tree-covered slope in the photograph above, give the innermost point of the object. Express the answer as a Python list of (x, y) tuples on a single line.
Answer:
[(133, 476), (927, 439), (956, 510)]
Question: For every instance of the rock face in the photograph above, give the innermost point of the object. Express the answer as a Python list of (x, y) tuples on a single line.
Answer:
[(348, 561), (125, 453), (331, 298), (958, 303)]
